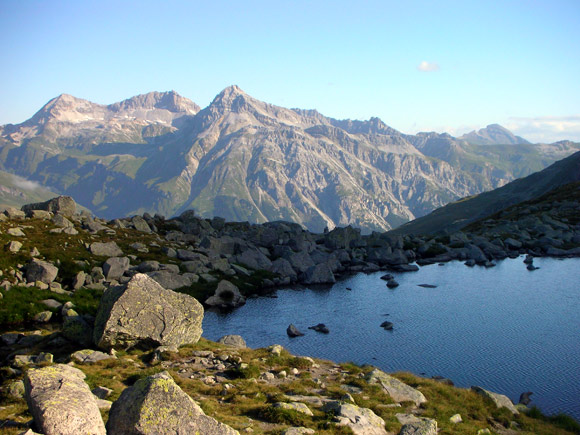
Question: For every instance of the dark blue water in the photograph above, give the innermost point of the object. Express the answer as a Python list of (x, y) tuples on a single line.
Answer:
[(506, 329)]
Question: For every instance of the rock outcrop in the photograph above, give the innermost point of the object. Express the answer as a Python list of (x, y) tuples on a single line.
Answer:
[(144, 313), (399, 391), (156, 405), (61, 402)]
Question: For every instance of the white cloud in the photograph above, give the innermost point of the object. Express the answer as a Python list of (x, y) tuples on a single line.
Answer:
[(25, 184), (546, 129), (428, 66)]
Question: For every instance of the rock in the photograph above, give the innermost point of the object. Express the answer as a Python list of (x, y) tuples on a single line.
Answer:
[(319, 274), (387, 325), (362, 421), (405, 268), (89, 356), (51, 303), (499, 400), (38, 270), (275, 349), (254, 259), (529, 259), (294, 406), (427, 285), (14, 213), (512, 244), (16, 232), (43, 317), (443, 380), (102, 392), (227, 295), (455, 419), (172, 280), (10, 338), (144, 313), (63, 205), (293, 332), (16, 390), (470, 263), (525, 398), (392, 283), (531, 267), (298, 431), (61, 402), (14, 246), (115, 267), (110, 249), (233, 341), (140, 224), (282, 267), (148, 266), (156, 405), (399, 391), (387, 277), (79, 280), (423, 426), (321, 327)]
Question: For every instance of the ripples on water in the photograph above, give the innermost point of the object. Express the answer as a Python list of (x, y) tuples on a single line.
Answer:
[(506, 329)]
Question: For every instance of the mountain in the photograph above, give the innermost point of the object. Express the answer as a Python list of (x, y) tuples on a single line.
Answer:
[(458, 214), (244, 159), (493, 134)]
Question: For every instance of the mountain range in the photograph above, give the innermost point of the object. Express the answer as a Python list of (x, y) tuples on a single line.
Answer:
[(244, 159)]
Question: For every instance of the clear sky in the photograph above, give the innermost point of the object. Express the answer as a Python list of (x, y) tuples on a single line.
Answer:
[(418, 65)]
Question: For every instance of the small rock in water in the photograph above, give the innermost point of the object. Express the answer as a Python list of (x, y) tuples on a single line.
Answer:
[(348, 288), (470, 262), (293, 332), (387, 325), (525, 398), (529, 259), (387, 277), (321, 327), (427, 285), (392, 283), (530, 266)]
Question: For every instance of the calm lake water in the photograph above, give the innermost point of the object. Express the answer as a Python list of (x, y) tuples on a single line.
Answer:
[(506, 329)]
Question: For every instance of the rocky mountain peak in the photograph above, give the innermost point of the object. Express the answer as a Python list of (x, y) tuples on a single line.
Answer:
[(493, 134), (65, 108), (170, 101)]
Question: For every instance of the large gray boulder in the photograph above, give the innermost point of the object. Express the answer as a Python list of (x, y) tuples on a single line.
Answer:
[(38, 270), (499, 400), (115, 267), (233, 341), (144, 313), (227, 295), (282, 267), (399, 391), (170, 280), (319, 274), (362, 421), (110, 249), (64, 205), (61, 402), (156, 405), (254, 259)]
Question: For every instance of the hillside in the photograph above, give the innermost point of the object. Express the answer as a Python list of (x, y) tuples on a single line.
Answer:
[(247, 160), (16, 191), (458, 214)]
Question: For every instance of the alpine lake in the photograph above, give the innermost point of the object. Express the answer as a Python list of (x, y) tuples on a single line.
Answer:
[(506, 329)]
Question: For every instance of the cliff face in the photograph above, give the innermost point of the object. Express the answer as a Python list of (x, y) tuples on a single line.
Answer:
[(244, 159)]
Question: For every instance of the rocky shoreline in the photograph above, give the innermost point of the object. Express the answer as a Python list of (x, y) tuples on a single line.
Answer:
[(131, 267)]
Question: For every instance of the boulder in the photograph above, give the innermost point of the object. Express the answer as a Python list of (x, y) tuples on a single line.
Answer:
[(140, 224), (254, 259), (525, 398), (63, 205), (387, 325), (294, 406), (319, 274), (79, 280), (16, 232), (144, 313), (399, 391), (61, 402), (227, 295), (392, 283), (156, 405), (499, 400), (14, 213), (233, 341), (282, 267), (38, 270), (79, 329), (300, 261), (14, 246), (110, 249), (298, 431), (171, 280), (292, 331), (148, 266), (362, 421), (115, 267), (422, 426), (321, 327), (89, 356)]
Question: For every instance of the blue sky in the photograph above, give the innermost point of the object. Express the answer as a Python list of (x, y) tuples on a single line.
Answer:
[(418, 65)]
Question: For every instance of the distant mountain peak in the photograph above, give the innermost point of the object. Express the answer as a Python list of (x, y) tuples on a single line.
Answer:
[(170, 100), (493, 134)]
